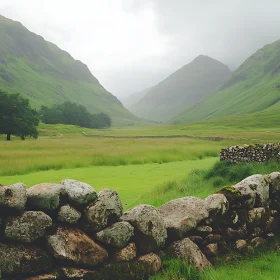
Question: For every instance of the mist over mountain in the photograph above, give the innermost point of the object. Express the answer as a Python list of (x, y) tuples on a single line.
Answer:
[(253, 87), (182, 89), (46, 75)]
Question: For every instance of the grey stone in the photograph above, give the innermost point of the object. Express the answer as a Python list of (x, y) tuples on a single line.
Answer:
[(69, 214), (125, 254), (106, 210), (254, 191), (186, 250), (217, 204), (45, 196), (150, 232), (258, 216), (240, 245), (182, 215), (19, 259), (274, 180), (13, 196), (79, 193), (75, 246), (28, 227), (117, 235)]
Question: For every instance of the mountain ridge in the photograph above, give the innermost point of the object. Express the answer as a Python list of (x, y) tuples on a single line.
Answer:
[(46, 75), (183, 88)]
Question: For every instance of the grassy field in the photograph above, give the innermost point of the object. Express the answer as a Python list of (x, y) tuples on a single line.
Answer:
[(151, 171)]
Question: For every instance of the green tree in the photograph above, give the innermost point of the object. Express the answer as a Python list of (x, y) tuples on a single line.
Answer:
[(17, 117)]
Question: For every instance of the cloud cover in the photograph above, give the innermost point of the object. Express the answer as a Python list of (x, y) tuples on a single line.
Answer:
[(133, 44)]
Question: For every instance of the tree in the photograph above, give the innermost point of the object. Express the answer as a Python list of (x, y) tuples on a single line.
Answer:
[(17, 117)]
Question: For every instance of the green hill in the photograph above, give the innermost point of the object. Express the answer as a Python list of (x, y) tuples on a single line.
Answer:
[(45, 74), (132, 99), (252, 88), (181, 89)]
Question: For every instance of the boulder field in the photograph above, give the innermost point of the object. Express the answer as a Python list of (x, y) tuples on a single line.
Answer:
[(68, 231)]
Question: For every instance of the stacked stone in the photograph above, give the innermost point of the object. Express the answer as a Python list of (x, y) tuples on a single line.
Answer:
[(68, 231), (260, 153)]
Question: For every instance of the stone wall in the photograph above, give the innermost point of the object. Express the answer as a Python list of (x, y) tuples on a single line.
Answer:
[(68, 231), (251, 153)]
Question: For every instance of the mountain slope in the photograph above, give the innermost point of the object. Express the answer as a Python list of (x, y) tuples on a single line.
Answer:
[(181, 89), (253, 87), (45, 74), (132, 99)]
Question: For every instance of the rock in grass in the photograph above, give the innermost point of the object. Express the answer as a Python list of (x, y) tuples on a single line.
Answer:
[(150, 262), (75, 246), (150, 232), (13, 197), (28, 227), (19, 260), (182, 215), (117, 235), (45, 196), (105, 211), (185, 249), (217, 204), (68, 214), (78, 193)]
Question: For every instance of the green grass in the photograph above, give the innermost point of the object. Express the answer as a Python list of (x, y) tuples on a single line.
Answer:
[(131, 181)]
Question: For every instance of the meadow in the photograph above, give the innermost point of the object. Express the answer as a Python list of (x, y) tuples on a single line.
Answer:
[(151, 171)]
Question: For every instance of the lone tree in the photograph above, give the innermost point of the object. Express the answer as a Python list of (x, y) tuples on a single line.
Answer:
[(17, 117)]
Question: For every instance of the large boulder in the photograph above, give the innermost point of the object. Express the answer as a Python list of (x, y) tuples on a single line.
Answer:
[(274, 181), (217, 204), (186, 250), (150, 232), (45, 196), (254, 191), (182, 215), (75, 246), (28, 227), (21, 260), (105, 211), (117, 235), (78, 193), (68, 214), (125, 254), (13, 197)]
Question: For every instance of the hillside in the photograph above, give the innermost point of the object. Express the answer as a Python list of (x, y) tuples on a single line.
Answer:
[(252, 88), (182, 89), (45, 74), (130, 100)]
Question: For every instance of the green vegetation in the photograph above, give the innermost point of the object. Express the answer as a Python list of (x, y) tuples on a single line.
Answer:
[(181, 89), (253, 87), (47, 75), (71, 113), (17, 117)]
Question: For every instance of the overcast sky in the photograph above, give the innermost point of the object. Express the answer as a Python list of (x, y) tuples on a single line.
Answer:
[(133, 44)]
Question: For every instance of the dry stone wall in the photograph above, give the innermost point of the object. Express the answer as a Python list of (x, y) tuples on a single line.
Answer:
[(68, 231), (251, 153)]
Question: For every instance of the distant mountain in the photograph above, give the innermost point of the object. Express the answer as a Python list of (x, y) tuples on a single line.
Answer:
[(133, 98), (45, 74), (253, 88), (182, 89)]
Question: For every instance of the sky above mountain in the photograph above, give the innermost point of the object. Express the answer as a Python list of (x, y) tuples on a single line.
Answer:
[(133, 44)]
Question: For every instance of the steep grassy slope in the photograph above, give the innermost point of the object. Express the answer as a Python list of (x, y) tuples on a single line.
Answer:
[(253, 87), (182, 89), (42, 72)]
